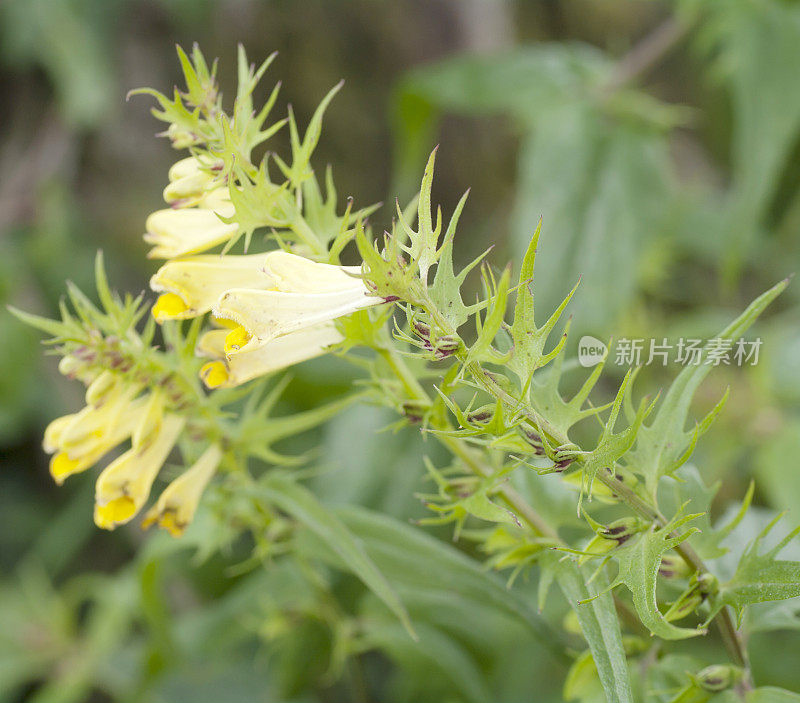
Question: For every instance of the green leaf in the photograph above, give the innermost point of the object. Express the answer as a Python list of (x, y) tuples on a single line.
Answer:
[(598, 172), (445, 292), (761, 577), (687, 491), (639, 561), (304, 507), (661, 446), (612, 446), (754, 49), (603, 188), (598, 620), (770, 694), (437, 655), (411, 558)]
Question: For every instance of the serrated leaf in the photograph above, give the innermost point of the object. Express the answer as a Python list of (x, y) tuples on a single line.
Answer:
[(612, 446), (639, 561), (529, 340), (761, 577), (445, 292), (660, 444)]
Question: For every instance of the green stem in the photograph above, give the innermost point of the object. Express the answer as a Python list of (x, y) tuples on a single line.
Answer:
[(462, 451), (724, 622)]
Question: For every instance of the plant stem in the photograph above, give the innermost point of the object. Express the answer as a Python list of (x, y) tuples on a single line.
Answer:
[(730, 636), (461, 450)]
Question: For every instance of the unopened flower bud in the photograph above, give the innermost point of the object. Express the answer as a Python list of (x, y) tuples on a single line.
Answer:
[(69, 366), (718, 677), (672, 566), (446, 346), (101, 389), (413, 410), (621, 530), (707, 583), (684, 606), (481, 415), (181, 138), (422, 329)]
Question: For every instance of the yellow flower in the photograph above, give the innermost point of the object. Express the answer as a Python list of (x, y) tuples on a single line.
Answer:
[(188, 183), (192, 286), (233, 367), (307, 294), (124, 485), (192, 223), (176, 506), (79, 440), (175, 233)]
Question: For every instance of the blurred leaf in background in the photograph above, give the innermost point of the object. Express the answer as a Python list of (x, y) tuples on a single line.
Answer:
[(669, 186)]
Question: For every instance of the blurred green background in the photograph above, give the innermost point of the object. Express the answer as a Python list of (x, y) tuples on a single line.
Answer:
[(658, 141)]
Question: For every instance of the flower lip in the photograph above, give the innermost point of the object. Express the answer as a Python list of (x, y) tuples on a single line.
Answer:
[(191, 286), (234, 368), (175, 233), (266, 314), (124, 485)]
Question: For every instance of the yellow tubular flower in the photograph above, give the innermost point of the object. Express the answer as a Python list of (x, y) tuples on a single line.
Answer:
[(233, 368), (183, 168), (192, 286), (80, 440), (175, 233), (188, 183), (296, 274), (149, 424), (176, 506), (124, 485), (265, 315)]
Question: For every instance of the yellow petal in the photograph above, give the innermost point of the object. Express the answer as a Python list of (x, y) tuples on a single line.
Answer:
[(62, 466), (104, 388), (115, 512), (175, 233), (276, 354), (192, 285), (212, 344), (214, 374), (124, 485), (54, 431), (183, 168), (149, 424), (88, 447), (177, 505), (296, 274), (170, 306), (94, 421), (188, 190), (236, 339), (269, 314)]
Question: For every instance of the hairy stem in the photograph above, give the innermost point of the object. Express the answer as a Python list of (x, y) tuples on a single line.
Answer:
[(465, 453), (724, 622)]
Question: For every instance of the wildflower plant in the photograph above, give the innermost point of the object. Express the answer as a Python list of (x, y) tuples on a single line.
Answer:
[(253, 281)]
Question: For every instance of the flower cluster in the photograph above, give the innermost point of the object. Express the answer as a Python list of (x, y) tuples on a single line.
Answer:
[(118, 411), (275, 309), (267, 311)]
